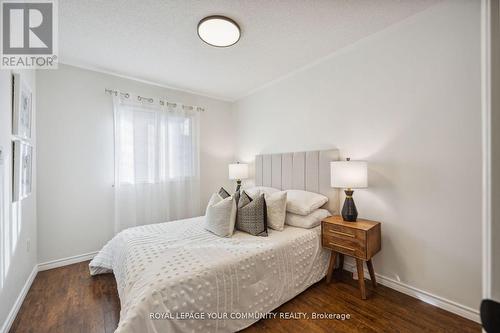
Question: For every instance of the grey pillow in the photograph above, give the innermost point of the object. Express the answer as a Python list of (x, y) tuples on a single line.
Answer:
[(251, 216), (223, 193)]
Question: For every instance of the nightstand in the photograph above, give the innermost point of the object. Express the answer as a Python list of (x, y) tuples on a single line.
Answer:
[(360, 239)]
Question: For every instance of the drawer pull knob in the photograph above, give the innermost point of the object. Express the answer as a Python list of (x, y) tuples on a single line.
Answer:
[(342, 233), (341, 246)]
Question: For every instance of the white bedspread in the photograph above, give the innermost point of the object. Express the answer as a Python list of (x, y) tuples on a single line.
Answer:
[(173, 268)]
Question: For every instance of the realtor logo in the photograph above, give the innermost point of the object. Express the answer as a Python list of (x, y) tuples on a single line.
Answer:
[(29, 31)]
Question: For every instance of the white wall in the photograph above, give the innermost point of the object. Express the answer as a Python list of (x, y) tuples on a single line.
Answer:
[(407, 100), (17, 220), (75, 164)]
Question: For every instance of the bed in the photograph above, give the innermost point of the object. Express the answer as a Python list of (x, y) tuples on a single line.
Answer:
[(166, 270), (178, 277)]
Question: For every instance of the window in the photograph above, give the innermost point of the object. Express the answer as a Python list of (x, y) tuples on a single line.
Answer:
[(154, 146)]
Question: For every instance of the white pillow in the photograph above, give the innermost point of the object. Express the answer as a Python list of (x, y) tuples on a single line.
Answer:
[(276, 210), (220, 216), (255, 191), (309, 221), (303, 202)]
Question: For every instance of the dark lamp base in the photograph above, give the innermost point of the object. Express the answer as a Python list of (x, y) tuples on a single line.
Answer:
[(349, 211)]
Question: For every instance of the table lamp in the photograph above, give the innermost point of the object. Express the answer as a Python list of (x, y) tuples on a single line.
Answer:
[(238, 171), (348, 175)]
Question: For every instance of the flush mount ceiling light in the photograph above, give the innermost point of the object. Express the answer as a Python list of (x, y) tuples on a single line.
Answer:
[(219, 31)]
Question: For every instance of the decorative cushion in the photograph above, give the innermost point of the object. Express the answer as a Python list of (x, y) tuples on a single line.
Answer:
[(276, 210), (251, 216), (309, 221), (303, 202), (220, 216), (223, 193)]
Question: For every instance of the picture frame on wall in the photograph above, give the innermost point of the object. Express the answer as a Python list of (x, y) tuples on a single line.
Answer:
[(22, 153), (22, 108)]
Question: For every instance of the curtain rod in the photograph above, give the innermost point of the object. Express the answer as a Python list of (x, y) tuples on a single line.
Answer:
[(151, 100)]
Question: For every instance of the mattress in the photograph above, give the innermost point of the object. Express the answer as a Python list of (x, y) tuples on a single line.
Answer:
[(178, 277)]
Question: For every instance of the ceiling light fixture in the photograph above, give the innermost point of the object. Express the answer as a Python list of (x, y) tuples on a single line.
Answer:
[(219, 31)]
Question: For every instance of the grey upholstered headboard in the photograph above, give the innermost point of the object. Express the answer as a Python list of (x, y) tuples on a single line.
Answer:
[(309, 171)]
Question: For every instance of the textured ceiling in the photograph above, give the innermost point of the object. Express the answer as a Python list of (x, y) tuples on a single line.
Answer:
[(156, 40)]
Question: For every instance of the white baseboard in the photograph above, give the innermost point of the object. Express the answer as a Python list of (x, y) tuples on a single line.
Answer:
[(66, 261), (19, 301), (427, 297)]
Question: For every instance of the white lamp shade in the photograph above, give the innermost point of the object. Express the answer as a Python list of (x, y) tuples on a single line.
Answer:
[(238, 171), (349, 174)]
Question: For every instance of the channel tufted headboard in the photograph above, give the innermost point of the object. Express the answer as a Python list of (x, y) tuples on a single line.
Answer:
[(309, 171)]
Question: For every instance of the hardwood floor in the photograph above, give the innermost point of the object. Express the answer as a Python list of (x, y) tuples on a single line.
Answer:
[(68, 299)]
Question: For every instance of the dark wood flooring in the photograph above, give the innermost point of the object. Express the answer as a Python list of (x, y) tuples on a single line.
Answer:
[(68, 299)]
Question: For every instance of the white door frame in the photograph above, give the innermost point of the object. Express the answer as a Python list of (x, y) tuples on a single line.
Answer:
[(486, 146)]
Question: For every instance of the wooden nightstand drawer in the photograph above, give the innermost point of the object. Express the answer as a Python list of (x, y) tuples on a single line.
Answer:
[(343, 232), (345, 240), (352, 247)]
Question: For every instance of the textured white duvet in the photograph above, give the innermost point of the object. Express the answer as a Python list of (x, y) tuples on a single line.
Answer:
[(170, 269)]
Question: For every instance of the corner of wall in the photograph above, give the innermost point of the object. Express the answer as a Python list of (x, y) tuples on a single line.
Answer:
[(18, 255)]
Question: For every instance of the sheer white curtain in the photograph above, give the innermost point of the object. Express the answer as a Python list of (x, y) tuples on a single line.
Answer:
[(156, 161)]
